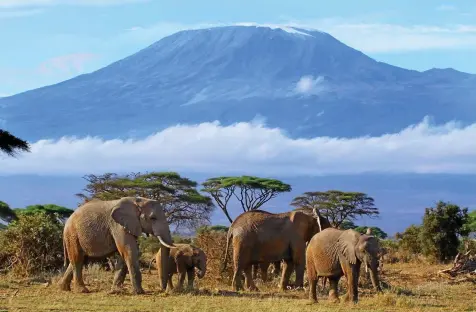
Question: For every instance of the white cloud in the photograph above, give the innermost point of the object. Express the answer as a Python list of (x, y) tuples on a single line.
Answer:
[(69, 64), (382, 37), (307, 85), (19, 13), (252, 148), (446, 7), (44, 3), (366, 37)]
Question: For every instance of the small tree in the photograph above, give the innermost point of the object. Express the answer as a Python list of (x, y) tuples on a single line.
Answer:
[(409, 240), (470, 225), (63, 213), (10, 144), (184, 206), (6, 213), (251, 192), (440, 230), (338, 206)]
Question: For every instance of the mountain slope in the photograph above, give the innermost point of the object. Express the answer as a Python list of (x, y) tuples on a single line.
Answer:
[(306, 82)]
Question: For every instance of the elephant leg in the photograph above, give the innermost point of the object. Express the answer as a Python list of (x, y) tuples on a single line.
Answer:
[(276, 268), (169, 282), (119, 276), (77, 261), (190, 277), (313, 290), (181, 280), (333, 293), (250, 284), (130, 253), (65, 283), (264, 271), (237, 283), (352, 273), (254, 272), (287, 271)]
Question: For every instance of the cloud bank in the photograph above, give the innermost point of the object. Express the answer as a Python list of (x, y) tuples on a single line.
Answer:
[(252, 148), (44, 3)]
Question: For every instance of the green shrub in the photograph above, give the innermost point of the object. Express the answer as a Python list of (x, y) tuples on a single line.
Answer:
[(32, 244)]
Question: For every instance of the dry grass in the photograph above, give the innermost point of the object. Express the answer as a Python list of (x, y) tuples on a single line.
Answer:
[(413, 287)]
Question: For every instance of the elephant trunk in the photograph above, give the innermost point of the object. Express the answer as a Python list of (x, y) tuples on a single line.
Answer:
[(202, 268), (166, 240), (164, 269), (374, 275)]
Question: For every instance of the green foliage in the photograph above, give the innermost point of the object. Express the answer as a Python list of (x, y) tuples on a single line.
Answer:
[(50, 209), (10, 144), (409, 240), (376, 231), (347, 225), (213, 228), (440, 230), (32, 244), (251, 192), (184, 206), (338, 206), (470, 225), (6, 213)]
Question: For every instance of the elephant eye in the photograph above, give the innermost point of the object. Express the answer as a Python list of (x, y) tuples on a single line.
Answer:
[(153, 218)]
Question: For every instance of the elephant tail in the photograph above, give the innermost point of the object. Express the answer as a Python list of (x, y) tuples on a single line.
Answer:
[(65, 254), (229, 235)]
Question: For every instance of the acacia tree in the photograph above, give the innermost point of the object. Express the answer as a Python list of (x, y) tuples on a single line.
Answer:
[(338, 206), (183, 205), (251, 192), (10, 144)]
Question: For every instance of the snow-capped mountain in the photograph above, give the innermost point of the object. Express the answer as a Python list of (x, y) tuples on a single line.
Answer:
[(304, 81)]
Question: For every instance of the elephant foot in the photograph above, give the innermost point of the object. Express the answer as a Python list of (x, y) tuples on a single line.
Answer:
[(64, 287), (313, 301), (83, 290), (115, 290), (139, 291), (334, 299)]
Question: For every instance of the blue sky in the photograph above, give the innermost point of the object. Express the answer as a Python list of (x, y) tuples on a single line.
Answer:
[(47, 41)]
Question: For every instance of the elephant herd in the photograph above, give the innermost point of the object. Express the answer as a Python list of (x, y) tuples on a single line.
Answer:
[(300, 240)]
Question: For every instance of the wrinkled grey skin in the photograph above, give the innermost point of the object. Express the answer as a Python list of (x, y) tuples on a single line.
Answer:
[(307, 224), (99, 228), (259, 236), (184, 260), (333, 253)]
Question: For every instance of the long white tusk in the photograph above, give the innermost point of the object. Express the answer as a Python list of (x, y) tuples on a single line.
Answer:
[(164, 243)]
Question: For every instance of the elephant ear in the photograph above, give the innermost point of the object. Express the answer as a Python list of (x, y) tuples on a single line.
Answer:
[(126, 213), (183, 257), (347, 245)]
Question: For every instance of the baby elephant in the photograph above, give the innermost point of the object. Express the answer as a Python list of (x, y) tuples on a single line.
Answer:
[(183, 260)]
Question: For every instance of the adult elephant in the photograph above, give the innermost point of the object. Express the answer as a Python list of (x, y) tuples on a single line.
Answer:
[(99, 228), (307, 222), (333, 253), (263, 237)]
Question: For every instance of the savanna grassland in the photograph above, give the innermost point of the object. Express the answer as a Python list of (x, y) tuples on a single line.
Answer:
[(409, 287)]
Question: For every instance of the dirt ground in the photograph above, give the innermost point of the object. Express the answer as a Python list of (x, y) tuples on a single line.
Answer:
[(409, 287)]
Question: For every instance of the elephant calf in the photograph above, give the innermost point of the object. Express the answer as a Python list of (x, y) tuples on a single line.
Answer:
[(183, 260), (334, 253)]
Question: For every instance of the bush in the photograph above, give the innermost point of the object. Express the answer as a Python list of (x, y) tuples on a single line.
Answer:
[(442, 226), (32, 244), (213, 243)]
